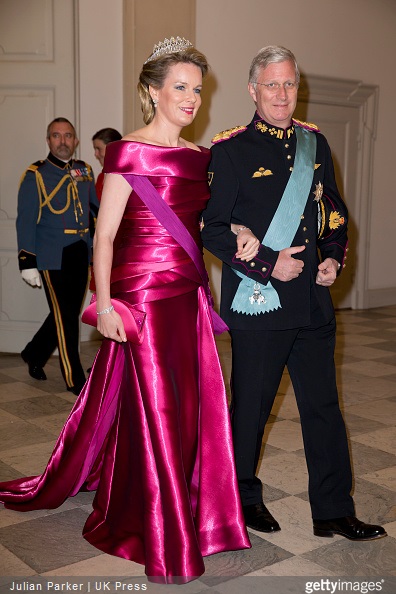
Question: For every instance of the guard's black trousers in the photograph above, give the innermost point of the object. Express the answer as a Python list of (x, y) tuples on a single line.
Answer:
[(258, 361), (65, 290)]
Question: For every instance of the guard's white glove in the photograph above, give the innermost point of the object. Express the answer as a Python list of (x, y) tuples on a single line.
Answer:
[(32, 277)]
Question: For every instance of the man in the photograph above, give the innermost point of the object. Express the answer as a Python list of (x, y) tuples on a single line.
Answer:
[(274, 180), (56, 203)]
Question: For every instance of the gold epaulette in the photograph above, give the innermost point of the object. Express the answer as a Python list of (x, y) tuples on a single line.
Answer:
[(307, 125), (35, 166), (226, 134)]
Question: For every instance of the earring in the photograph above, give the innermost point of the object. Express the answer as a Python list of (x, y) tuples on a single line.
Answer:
[(155, 101)]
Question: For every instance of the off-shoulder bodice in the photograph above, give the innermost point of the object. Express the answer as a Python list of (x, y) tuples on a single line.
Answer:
[(147, 255), (124, 156)]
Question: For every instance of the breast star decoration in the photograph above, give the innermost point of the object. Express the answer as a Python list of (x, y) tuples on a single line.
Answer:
[(318, 191)]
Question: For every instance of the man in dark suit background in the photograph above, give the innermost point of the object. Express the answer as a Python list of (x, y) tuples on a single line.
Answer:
[(57, 204), (274, 180)]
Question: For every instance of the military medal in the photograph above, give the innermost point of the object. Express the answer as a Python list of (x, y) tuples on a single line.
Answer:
[(81, 174), (257, 296)]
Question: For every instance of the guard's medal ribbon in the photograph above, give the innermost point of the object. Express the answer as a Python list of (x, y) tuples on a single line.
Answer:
[(81, 174)]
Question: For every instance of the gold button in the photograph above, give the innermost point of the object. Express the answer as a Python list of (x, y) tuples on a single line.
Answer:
[(347, 250), (290, 168), (344, 265), (302, 216), (288, 157), (252, 264), (286, 146), (307, 241), (304, 228), (264, 269)]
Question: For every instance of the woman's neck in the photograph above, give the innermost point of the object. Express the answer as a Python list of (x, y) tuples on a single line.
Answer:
[(162, 133)]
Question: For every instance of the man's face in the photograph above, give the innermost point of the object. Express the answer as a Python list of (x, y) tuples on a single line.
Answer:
[(62, 140), (275, 106)]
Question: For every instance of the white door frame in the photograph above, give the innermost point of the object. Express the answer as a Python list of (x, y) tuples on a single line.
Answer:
[(364, 98)]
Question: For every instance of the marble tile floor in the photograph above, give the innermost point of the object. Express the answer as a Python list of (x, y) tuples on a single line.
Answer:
[(49, 542)]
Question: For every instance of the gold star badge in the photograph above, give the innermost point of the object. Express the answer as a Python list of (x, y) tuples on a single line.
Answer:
[(318, 191), (335, 220)]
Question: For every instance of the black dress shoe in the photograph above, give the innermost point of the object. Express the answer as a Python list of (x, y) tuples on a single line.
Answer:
[(350, 527), (259, 518), (75, 389), (35, 371)]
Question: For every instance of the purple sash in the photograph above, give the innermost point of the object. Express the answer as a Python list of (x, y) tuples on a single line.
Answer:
[(168, 219)]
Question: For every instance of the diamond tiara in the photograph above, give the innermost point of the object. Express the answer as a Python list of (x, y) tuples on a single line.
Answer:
[(169, 46)]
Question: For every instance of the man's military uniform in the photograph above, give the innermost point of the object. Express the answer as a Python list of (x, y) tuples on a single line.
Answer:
[(56, 206), (249, 172)]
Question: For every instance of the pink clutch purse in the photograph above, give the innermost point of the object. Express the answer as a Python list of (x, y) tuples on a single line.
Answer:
[(133, 319)]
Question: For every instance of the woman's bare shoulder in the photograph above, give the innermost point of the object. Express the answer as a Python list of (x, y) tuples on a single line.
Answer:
[(136, 136), (188, 144)]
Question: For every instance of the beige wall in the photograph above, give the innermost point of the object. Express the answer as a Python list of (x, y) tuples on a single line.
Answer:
[(99, 71), (352, 39), (145, 24)]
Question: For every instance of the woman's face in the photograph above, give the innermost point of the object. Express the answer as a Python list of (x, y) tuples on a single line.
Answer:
[(99, 150), (180, 97)]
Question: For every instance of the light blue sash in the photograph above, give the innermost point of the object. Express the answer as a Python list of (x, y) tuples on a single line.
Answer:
[(254, 298)]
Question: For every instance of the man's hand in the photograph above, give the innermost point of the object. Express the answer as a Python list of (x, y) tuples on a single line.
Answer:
[(286, 267), (327, 272), (32, 277)]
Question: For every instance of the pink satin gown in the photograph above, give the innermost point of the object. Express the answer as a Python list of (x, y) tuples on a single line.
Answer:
[(150, 430)]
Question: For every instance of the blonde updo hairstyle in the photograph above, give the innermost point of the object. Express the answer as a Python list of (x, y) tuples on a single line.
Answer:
[(155, 71)]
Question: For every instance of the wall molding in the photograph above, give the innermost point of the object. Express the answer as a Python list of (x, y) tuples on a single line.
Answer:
[(38, 46)]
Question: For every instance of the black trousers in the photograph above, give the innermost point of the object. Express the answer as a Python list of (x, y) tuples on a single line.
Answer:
[(65, 290), (258, 361)]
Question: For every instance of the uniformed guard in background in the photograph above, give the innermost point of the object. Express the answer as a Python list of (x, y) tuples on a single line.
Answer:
[(56, 206), (273, 184)]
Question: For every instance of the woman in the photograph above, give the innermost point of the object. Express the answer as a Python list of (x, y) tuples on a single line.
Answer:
[(150, 430), (100, 140)]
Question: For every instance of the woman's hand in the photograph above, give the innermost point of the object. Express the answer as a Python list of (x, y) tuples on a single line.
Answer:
[(247, 243), (111, 326)]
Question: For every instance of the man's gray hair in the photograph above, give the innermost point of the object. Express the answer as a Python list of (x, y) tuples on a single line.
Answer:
[(269, 55)]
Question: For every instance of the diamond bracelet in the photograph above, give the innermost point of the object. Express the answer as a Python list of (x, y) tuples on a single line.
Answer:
[(242, 229), (105, 311)]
